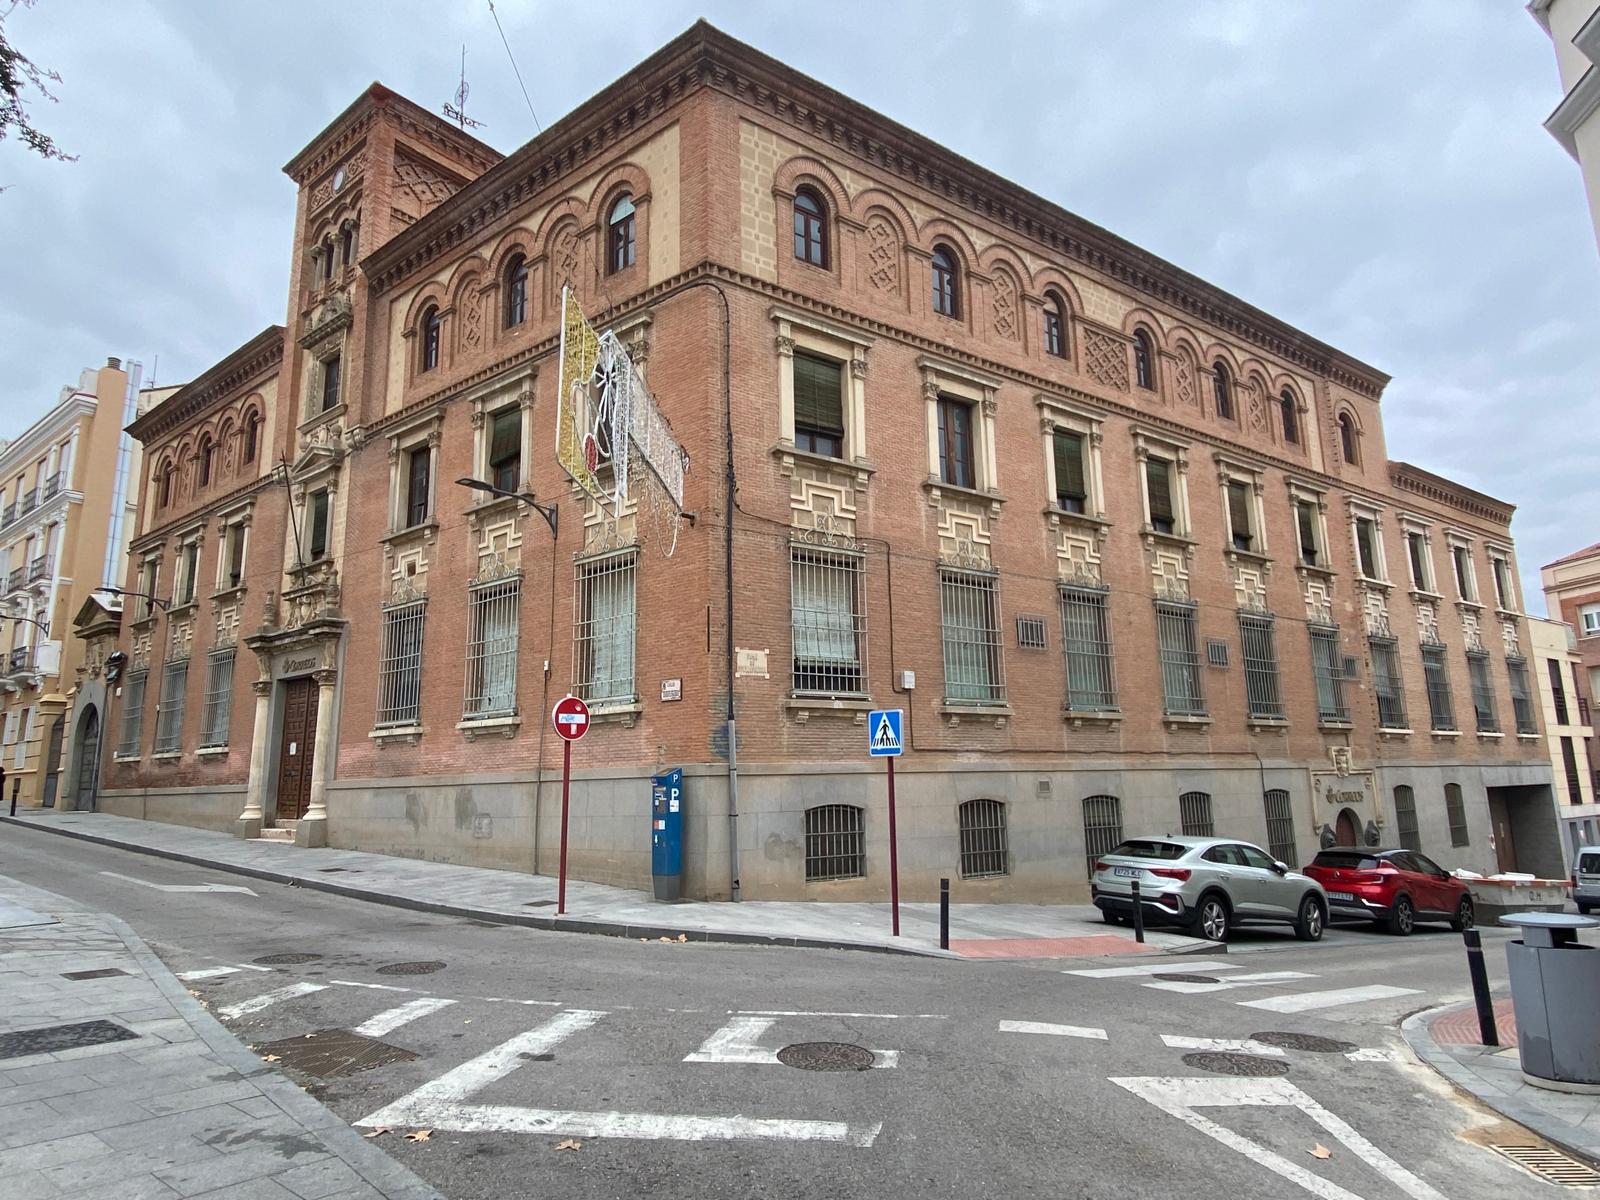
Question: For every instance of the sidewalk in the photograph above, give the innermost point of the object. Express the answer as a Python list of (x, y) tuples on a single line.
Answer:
[(510, 897), (1447, 1040), (115, 1084)]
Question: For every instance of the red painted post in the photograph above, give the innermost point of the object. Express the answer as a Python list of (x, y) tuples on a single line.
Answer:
[(566, 779), (894, 856)]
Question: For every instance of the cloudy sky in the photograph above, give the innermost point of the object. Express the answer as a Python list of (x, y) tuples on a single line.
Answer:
[(1374, 173)]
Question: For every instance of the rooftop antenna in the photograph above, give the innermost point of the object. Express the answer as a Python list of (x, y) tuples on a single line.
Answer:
[(457, 112)]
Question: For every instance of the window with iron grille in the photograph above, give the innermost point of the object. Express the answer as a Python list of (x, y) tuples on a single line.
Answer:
[(1181, 692), (1030, 633), (983, 838), (1328, 669), (827, 622), (604, 638), (1558, 691), (219, 698), (1260, 653), (132, 715), (1521, 696), (835, 842), (1280, 825), (1086, 643), (1194, 814), (818, 404), (1456, 811), (1569, 761), (1216, 652), (1387, 684), (169, 707), (400, 668), (1482, 692), (1441, 708), (1102, 827), (974, 668), (1405, 819), (492, 628)]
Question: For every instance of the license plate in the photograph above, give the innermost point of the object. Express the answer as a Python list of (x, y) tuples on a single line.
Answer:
[(1127, 872), (1345, 896)]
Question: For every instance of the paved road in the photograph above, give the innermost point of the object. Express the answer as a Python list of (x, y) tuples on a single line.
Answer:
[(658, 1061)]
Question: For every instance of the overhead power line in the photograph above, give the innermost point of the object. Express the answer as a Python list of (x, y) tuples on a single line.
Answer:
[(514, 68)]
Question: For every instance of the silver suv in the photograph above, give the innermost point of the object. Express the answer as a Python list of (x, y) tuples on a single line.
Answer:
[(1206, 886)]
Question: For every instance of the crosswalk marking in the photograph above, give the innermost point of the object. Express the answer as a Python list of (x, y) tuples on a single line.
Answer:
[(1188, 988), (207, 973), (1298, 1002), (391, 1019), (737, 1042), (1224, 1045), (1077, 1031), (1162, 968), (244, 1008)]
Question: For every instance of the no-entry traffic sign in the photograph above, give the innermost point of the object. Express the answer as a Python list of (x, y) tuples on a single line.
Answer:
[(570, 718)]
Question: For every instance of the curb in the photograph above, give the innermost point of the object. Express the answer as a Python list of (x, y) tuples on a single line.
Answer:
[(1570, 1138), (530, 921)]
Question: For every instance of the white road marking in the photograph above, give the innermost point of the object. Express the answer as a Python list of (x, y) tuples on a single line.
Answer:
[(391, 1019), (441, 1104), (1076, 1031), (1388, 1056), (737, 1042), (267, 999), (1224, 1045), (1162, 968), (1187, 988), (207, 973), (377, 987), (181, 887), (1299, 1002), (778, 1012), (1181, 1097)]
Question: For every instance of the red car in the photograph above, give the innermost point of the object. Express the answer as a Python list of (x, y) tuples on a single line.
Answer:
[(1395, 888)]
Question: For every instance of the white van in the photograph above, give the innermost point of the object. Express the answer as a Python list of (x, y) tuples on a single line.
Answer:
[(1586, 878)]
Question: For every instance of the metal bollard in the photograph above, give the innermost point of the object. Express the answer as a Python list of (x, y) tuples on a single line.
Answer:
[(944, 914), (1138, 914), (1487, 1032)]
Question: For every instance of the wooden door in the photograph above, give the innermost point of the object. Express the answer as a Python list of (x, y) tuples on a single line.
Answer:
[(88, 758), (1346, 829), (52, 761), (295, 749), (1505, 848)]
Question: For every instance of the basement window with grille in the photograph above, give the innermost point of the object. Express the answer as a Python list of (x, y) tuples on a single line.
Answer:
[(983, 838), (1102, 827), (835, 842), (1194, 814)]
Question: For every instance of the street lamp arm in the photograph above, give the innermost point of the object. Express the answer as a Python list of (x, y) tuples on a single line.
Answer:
[(163, 605), (549, 512)]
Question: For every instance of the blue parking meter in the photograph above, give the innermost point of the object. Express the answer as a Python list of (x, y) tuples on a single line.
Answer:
[(666, 834)]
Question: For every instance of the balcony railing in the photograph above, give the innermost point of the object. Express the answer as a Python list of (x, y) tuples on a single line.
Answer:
[(10, 514), (39, 568), (21, 659), (50, 487), (16, 579), (28, 502)]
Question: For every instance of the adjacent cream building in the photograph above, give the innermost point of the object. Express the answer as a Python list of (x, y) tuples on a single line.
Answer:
[(66, 512), (1558, 676), (1574, 27)]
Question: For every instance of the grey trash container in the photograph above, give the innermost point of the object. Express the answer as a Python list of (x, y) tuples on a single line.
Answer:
[(1555, 980)]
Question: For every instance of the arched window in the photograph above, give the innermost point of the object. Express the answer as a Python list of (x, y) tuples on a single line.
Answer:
[(1144, 360), (1347, 439), (165, 486), (810, 228), (208, 451), (1222, 385), (1405, 818), (1456, 813), (347, 238), (620, 235), (1102, 827), (516, 291), (982, 827), (430, 337), (1291, 417), (329, 261), (946, 293), (252, 436), (1194, 815), (1055, 325), (835, 842)]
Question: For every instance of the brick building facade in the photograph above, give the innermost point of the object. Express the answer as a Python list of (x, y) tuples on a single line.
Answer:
[(1129, 552)]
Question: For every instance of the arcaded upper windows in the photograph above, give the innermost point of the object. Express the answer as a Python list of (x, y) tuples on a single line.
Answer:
[(164, 490), (347, 243), (1222, 388), (620, 235), (810, 228), (252, 436), (208, 457), (946, 282), (516, 290), (1348, 440), (1144, 360), (1290, 413), (430, 329), (1055, 326)]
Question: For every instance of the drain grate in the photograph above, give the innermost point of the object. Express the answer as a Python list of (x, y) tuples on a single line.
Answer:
[(826, 1056), (538, 904), (1165, 976), (98, 973), (333, 1052), (1552, 1165), (411, 968), (52, 1038), (1309, 1042), (331, 870), (1220, 1062), (290, 959)]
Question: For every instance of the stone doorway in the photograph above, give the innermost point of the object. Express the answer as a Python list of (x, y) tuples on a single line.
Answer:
[(87, 778), (1347, 829), (296, 748)]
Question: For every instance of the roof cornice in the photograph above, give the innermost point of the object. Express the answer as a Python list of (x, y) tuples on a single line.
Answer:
[(1409, 478), (257, 356), (1576, 108), (349, 127), (25, 447)]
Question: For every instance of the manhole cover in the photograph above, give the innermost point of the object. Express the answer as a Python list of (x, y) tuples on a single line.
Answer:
[(331, 1052), (52, 1038), (98, 973), (285, 960), (411, 968), (826, 1056), (1304, 1041), (1560, 1169), (1223, 1063), (1164, 977)]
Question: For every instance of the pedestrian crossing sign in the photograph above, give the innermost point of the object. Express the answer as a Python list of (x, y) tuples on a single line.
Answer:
[(883, 732)]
